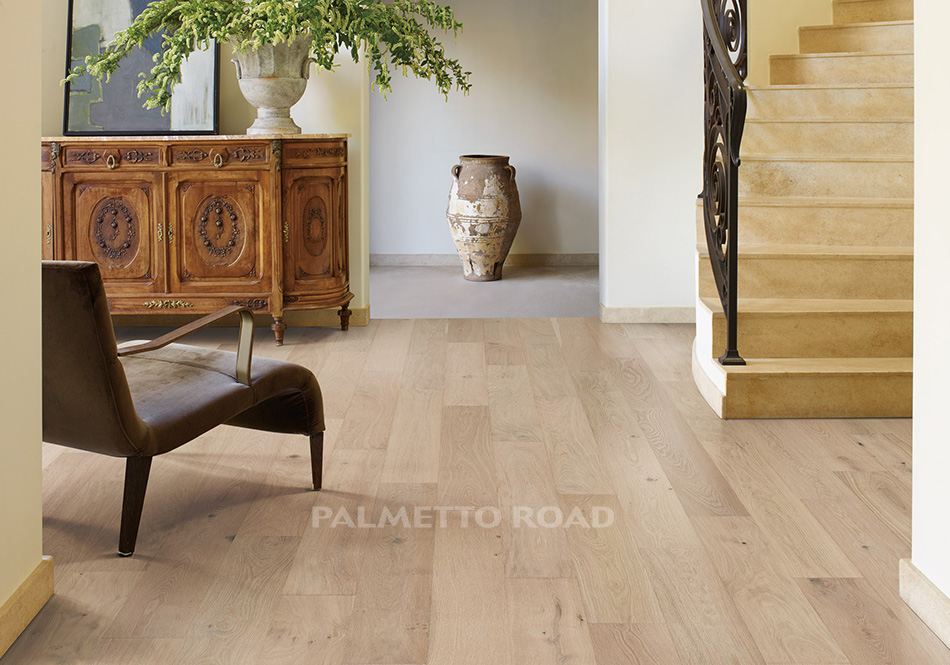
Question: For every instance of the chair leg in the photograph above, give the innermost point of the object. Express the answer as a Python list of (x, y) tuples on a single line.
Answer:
[(316, 459), (136, 480)]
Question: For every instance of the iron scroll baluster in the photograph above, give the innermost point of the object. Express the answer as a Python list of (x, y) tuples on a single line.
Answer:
[(726, 66)]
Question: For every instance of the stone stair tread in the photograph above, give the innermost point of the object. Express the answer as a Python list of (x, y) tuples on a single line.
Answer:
[(839, 26), (850, 354), (835, 54), (855, 2), (830, 120), (810, 305), (830, 252), (773, 367), (821, 202), (754, 157), (830, 86)]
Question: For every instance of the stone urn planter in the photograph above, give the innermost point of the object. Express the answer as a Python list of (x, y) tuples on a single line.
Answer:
[(273, 78), (484, 214)]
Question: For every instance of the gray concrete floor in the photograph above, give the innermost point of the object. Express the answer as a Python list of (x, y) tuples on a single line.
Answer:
[(441, 292)]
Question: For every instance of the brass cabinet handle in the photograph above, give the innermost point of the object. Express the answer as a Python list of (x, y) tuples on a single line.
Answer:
[(110, 162), (171, 232), (161, 232), (286, 232), (218, 161)]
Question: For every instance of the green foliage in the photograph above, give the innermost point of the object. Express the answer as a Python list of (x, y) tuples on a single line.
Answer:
[(391, 35)]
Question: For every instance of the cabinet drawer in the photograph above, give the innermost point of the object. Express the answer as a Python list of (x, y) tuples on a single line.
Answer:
[(110, 158), (203, 156), (314, 153)]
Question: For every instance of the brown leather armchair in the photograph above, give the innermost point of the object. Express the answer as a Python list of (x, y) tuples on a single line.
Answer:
[(144, 400)]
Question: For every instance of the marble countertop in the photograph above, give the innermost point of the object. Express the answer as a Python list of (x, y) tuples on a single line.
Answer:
[(195, 138)]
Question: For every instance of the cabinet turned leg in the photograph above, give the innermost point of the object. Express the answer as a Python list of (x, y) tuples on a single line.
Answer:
[(345, 317), (278, 326)]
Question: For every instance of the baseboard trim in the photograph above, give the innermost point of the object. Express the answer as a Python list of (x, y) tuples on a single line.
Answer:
[(516, 260), (707, 387), (305, 318), (927, 601), (25, 603), (647, 314), (329, 318)]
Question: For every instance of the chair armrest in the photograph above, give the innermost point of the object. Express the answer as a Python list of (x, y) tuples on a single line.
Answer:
[(245, 339)]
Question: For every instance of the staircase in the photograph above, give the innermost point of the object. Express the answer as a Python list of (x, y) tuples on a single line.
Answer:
[(825, 314)]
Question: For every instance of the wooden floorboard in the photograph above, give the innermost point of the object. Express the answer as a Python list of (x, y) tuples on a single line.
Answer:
[(740, 542)]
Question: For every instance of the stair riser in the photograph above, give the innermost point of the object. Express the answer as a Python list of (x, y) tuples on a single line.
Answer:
[(853, 39), (780, 225), (845, 69), (825, 179), (873, 10), (819, 335), (828, 138), (868, 395), (850, 104), (805, 277)]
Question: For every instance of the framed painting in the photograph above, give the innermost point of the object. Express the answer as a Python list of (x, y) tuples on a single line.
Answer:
[(114, 107)]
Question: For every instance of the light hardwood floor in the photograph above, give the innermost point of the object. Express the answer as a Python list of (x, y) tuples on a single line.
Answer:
[(739, 542)]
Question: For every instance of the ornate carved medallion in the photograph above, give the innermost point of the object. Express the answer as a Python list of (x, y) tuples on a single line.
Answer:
[(113, 228), (194, 155), (250, 303), (315, 226), (139, 156), (310, 153), (86, 157), (219, 227), (248, 154)]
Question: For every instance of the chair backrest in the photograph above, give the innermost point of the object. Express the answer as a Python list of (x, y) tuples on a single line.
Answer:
[(86, 399)]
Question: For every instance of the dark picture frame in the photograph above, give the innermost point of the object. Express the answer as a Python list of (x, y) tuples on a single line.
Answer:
[(92, 108)]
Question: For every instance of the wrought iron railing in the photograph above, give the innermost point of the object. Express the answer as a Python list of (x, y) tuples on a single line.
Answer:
[(726, 66)]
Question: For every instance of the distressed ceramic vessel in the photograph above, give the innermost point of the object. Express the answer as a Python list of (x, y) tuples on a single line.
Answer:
[(273, 78), (484, 214)]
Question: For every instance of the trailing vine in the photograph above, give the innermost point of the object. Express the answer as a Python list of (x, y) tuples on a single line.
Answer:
[(392, 35)]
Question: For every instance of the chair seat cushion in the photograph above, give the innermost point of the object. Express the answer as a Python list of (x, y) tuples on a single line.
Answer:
[(183, 391)]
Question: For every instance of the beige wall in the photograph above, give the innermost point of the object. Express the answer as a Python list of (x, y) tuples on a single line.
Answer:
[(334, 102), (20, 480), (773, 30)]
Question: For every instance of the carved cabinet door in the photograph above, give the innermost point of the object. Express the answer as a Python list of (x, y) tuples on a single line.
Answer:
[(115, 220), (315, 243), (219, 244)]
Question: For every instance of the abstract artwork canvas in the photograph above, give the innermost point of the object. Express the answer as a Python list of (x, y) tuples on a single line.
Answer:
[(114, 107)]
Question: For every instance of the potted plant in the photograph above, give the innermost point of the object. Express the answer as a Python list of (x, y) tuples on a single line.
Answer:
[(275, 42)]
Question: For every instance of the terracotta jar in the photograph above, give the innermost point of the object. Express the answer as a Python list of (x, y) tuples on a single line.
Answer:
[(484, 213)]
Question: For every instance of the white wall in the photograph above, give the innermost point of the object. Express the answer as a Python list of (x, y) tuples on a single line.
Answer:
[(651, 142), (931, 530), (534, 98), (20, 469)]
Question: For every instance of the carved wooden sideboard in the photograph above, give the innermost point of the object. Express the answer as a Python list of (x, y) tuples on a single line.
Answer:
[(194, 224)]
